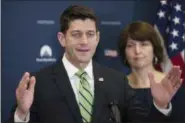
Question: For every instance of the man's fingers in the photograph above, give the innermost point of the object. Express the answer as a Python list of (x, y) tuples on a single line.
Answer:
[(26, 74), (172, 76), (32, 83), (24, 80), (177, 86), (171, 73), (24, 85), (170, 79), (151, 78), (175, 75), (176, 78)]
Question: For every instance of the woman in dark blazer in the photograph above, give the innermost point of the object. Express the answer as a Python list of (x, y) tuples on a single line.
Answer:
[(140, 49)]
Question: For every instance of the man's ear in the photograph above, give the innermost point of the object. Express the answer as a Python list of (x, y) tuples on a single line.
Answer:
[(61, 39), (98, 36)]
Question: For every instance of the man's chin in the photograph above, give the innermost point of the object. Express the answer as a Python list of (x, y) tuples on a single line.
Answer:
[(84, 60)]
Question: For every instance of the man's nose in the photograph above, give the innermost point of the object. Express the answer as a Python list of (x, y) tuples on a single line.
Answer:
[(84, 39)]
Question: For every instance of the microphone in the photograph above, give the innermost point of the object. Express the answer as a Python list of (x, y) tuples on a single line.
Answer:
[(115, 113)]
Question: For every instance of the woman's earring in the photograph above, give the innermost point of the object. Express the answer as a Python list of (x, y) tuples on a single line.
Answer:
[(155, 60)]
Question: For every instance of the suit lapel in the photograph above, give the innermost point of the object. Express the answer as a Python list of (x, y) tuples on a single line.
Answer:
[(62, 81), (98, 94)]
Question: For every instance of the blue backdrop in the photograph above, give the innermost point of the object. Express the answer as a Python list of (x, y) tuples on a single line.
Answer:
[(29, 25)]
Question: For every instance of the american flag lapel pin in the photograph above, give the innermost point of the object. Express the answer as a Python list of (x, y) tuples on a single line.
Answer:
[(101, 79)]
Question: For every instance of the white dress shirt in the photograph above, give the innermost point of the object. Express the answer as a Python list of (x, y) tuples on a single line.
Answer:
[(74, 80)]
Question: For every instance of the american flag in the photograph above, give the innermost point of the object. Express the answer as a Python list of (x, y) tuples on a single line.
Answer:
[(170, 24)]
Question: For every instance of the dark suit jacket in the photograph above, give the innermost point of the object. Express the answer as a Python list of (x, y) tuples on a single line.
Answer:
[(54, 100)]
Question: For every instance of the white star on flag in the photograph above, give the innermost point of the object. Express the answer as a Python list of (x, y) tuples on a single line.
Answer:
[(177, 7), (176, 20), (173, 46), (175, 33), (183, 38), (163, 2), (161, 14)]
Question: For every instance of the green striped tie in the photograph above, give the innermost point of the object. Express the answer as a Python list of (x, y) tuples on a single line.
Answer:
[(85, 97)]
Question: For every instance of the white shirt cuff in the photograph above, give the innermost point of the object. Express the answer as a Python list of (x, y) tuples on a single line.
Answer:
[(166, 112), (18, 120)]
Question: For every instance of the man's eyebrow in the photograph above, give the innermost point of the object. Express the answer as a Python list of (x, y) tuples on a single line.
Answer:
[(75, 31)]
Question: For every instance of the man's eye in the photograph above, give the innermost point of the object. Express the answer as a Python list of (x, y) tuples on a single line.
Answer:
[(90, 34), (76, 35)]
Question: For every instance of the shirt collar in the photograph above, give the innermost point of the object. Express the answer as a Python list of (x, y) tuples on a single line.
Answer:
[(71, 69)]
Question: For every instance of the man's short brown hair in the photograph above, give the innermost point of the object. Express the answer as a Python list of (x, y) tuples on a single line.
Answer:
[(76, 12)]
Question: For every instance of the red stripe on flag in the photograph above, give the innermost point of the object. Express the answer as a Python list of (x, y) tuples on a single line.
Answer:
[(178, 60)]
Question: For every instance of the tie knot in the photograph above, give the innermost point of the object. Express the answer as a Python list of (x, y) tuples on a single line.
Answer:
[(80, 73)]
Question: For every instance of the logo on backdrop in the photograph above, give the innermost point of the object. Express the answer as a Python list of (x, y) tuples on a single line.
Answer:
[(112, 23), (45, 22), (110, 53), (46, 54)]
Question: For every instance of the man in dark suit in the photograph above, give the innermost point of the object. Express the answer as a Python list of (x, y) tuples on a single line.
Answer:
[(79, 90)]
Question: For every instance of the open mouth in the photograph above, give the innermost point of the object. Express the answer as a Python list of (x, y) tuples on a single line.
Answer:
[(82, 50)]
